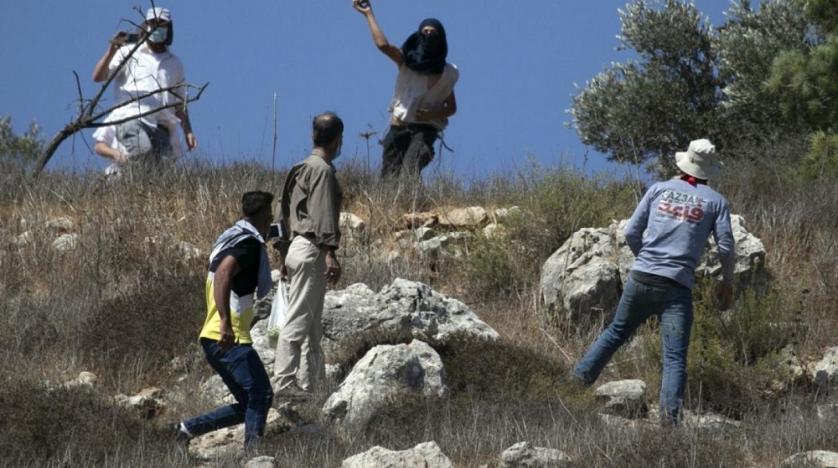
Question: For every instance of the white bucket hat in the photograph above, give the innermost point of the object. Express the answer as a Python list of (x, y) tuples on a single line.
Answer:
[(158, 13), (699, 160)]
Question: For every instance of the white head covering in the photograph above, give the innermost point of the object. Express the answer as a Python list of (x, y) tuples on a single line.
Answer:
[(158, 13), (699, 160)]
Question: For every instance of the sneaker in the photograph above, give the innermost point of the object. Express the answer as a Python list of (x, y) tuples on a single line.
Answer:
[(180, 433), (292, 392)]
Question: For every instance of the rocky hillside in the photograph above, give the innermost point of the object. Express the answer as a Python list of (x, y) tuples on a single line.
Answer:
[(448, 340)]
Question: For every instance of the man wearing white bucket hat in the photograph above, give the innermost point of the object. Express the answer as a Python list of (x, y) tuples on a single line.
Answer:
[(151, 136), (667, 234)]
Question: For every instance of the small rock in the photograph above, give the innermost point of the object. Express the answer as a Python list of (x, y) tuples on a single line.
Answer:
[(62, 225), (828, 411), (352, 222), (503, 214), (426, 455), (625, 423), (188, 252), (814, 459), (261, 462), (85, 379), (626, 398), (494, 231), (464, 217), (413, 220), (524, 455), (423, 233), (823, 372), (147, 403), (709, 421), (23, 239), (66, 242)]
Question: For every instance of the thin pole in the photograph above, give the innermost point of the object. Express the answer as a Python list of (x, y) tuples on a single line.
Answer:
[(273, 151)]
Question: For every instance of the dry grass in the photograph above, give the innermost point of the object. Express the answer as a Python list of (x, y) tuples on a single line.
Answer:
[(126, 302)]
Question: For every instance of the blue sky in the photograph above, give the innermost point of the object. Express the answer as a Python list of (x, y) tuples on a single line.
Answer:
[(518, 60)]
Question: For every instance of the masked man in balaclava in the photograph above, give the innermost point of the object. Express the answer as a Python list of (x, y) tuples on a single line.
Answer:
[(424, 96)]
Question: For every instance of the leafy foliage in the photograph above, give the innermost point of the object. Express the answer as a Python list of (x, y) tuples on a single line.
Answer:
[(19, 150), (645, 110), (694, 80)]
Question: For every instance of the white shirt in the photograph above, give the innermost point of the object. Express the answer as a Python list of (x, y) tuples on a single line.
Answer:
[(412, 93), (145, 72)]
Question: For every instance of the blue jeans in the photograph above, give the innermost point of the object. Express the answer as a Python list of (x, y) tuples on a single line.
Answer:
[(242, 371), (673, 306)]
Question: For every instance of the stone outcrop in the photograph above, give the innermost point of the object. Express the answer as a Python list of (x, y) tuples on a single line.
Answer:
[(582, 280), (812, 459), (426, 455), (625, 398), (404, 309), (227, 441), (385, 377), (524, 455)]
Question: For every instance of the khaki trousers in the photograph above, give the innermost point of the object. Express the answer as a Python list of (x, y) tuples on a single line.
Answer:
[(298, 351)]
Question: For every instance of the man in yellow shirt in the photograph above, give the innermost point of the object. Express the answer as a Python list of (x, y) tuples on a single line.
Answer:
[(238, 270)]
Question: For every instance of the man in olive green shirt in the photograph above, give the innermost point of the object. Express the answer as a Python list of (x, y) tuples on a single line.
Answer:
[(309, 213)]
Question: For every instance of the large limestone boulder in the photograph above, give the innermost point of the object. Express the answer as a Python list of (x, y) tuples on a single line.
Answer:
[(404, 309), (813, 459), (824, 373), (582, 276), (524, 455), (583, 279), (625, 398), (750, 253), (426, 455), (384, 377)]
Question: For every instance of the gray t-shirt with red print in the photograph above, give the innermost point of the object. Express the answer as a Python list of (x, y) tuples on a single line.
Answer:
[(668, 231)]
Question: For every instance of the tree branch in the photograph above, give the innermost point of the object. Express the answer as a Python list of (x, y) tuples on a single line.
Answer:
[(82, 123)]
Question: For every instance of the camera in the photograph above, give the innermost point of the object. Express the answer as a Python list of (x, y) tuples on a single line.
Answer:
[(275, 232)]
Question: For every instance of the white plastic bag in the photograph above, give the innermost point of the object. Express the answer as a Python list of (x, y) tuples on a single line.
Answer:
[(279, 308)]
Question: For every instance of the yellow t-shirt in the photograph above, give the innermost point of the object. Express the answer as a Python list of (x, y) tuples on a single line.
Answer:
[(242, 293)]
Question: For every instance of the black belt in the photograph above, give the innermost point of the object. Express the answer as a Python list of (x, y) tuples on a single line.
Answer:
[(655, 280)]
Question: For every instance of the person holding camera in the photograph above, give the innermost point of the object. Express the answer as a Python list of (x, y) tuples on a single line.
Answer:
[(152, 135), (238, 272), (309, 215), (424, 96)]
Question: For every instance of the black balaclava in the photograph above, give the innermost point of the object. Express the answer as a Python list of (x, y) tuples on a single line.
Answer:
[(426, 55)]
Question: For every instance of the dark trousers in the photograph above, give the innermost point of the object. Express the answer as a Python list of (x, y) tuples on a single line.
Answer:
[(408, 149), (244, 374)]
